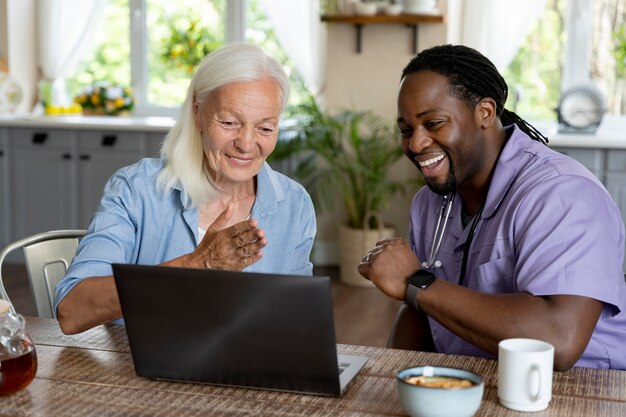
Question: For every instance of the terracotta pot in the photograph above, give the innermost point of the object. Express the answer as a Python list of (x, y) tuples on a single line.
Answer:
[(94, 112)]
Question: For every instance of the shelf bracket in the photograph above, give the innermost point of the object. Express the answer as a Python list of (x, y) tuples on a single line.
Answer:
[(414, 29), (359, 29)]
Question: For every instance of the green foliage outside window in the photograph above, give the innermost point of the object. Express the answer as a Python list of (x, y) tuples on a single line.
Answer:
[(110, 60), (620, 52), (187, 43), (261, 32), (179, 36), (534, 76)]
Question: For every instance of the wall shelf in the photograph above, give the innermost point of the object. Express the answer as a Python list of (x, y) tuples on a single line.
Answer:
[(409, 20)]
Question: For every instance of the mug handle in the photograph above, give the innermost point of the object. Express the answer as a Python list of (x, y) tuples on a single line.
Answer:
[(537, 396)]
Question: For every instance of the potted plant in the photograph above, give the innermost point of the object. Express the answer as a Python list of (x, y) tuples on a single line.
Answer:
[(349, 155)]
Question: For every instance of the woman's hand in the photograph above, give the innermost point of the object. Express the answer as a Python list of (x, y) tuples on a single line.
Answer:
[(232, 248)]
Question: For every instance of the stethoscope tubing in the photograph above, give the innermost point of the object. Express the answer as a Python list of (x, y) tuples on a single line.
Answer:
[(446, 206)]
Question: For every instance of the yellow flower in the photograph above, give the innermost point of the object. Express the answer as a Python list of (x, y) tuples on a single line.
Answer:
[(119, 102), (95, 99)]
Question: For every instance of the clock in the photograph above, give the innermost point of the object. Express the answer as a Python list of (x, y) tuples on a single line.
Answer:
[(581, 109)]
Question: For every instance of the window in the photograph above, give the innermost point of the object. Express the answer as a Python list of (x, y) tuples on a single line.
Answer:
[(167, 41), (545, 64)]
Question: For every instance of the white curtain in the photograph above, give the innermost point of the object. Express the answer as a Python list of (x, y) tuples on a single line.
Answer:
[(497, 28), (66, 28), (299, 31)]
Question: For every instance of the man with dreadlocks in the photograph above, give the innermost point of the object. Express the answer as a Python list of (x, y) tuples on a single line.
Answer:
[(534, 244)]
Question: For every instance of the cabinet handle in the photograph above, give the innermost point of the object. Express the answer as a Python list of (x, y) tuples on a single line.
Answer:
[(85, 157), (1, 153), (66, 156), (39, 138), (109, 140)]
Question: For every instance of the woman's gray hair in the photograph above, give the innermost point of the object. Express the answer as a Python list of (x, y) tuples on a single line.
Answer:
[(182, 149)]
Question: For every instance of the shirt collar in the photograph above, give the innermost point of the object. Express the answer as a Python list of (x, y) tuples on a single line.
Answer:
[(515, 154), (269, 192)]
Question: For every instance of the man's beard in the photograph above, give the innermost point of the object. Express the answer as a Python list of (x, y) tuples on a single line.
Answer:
[(448, 187)]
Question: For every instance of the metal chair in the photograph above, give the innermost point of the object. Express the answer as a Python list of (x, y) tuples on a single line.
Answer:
[(47, 257)]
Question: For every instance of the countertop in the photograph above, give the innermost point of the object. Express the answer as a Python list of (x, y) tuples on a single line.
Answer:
[(611, 134), (134, 123)]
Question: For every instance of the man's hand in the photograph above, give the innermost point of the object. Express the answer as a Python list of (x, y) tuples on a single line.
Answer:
[(388, 265), (232, 248)]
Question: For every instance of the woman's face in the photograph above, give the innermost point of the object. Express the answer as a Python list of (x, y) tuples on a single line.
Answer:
[(239, 125)]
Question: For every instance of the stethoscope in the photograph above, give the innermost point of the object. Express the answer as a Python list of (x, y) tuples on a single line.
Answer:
[(444, 213)]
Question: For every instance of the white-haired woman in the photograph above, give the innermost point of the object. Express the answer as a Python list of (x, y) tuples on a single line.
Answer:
[(210, 201)]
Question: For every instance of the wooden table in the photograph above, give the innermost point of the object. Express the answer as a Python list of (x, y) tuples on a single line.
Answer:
[(92, 374)]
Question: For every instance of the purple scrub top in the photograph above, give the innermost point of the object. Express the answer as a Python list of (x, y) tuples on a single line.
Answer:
[(548, 227)]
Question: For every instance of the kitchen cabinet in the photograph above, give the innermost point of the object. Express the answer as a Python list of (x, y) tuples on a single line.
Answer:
[(593, 159), (42, 189), (100, 154), (53, 176)]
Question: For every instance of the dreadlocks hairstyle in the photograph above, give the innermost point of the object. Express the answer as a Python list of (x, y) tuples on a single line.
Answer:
[(472, 77)]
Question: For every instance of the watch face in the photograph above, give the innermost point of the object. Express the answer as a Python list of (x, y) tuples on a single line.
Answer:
[(422, 278), (581, 107)]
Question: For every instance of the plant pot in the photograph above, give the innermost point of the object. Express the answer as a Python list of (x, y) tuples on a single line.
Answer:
[(94, 112), (353, 246)]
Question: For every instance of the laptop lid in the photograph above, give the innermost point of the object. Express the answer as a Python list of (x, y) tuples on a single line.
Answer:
[(232, 328)]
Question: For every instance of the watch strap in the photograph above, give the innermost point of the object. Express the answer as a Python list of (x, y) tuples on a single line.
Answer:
[(411, 296)]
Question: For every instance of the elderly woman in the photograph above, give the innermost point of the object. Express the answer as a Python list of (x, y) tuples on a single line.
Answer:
[(210, 201)]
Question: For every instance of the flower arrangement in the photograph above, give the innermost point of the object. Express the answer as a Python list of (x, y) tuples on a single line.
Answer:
[(106, 98)]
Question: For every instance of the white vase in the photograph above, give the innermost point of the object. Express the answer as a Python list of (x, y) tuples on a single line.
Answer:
[(346, 7), (420, 6), (353, 246)]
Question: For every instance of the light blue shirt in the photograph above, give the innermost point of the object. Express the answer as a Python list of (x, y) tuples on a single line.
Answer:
[(137, 224)]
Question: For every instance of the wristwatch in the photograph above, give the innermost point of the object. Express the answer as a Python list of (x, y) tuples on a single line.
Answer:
[(420, 280)]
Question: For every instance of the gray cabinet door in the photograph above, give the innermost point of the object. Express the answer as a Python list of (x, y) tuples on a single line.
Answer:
[(100, 155), (616, 185), (42, 188), (592, 159), (154, 144)]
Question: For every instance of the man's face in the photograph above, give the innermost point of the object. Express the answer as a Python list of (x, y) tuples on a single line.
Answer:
[(441, 134)]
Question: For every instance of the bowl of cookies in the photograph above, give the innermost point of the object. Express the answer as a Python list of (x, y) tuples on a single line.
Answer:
[(434, 391)]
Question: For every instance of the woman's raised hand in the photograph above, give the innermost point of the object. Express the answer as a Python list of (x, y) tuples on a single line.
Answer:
[(231, 248)]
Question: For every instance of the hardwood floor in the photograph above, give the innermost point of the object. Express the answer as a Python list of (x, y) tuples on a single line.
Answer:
[(363, 316)]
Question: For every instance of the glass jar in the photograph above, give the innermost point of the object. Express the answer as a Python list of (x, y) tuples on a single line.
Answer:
[(18, 360)]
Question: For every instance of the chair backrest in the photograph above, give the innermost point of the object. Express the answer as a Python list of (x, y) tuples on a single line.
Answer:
[(47, 256)]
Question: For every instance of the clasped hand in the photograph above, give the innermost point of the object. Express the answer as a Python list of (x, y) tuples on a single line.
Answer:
[(231, 248)]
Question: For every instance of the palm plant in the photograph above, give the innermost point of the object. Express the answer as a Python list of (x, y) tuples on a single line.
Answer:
[(351, 154)]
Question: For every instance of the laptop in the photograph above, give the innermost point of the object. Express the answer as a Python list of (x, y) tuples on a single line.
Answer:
[(243, 329)]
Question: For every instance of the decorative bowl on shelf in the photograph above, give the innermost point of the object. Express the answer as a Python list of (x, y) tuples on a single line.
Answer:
[(421, 7), (365, 9), (393, 9)]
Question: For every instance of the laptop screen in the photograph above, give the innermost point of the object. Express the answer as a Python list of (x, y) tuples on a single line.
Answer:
[(230, 328)]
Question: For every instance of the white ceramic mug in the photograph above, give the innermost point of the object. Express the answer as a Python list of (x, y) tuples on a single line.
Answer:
[(525, 374)]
